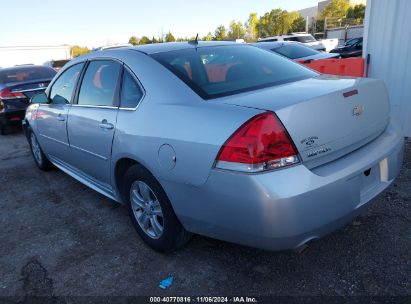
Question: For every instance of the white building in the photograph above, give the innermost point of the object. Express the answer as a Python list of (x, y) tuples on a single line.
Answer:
[(17, 55), (388, 41), (309, 14)]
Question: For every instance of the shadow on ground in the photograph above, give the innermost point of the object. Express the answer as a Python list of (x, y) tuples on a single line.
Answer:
[(61, 238)]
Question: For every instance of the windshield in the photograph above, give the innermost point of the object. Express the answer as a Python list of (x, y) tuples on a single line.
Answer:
[(20, 74), (352, 41), (302, 39), (295, 51), (226, 70)]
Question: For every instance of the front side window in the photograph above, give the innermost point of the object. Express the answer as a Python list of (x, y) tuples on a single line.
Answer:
[(62, 90), (131, 92), (226, 70), (99, 84)]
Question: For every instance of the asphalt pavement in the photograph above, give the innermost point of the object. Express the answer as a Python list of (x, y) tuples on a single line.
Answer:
[(60, 238)]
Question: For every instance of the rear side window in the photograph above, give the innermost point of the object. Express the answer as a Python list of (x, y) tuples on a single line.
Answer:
[(21, 74), (226, 70), (294, 51), (62, 90), (131, 92), (99, 83)]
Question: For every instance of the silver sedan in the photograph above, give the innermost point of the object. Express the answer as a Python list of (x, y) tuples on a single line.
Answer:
[(220, 139)]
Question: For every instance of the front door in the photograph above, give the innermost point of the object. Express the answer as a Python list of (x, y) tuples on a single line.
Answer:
[(92, 120), (52, 117)]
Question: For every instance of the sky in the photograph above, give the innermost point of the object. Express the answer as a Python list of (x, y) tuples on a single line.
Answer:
[(95, 23)]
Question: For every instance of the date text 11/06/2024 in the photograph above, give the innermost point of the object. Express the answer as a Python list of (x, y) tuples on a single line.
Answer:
[(203, 300)]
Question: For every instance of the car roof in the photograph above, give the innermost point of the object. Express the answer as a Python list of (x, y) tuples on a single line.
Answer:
[(274, 44), (174, 46)]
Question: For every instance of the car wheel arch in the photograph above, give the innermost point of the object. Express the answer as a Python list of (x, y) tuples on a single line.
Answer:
[(120, 168)]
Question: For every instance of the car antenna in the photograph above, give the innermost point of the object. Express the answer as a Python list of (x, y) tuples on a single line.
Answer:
[(195, 41)]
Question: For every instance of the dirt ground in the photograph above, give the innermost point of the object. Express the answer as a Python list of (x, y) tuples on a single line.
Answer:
[(60, 238)]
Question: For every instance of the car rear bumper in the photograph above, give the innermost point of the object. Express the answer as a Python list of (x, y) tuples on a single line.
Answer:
[(284, 209), (12, 117)]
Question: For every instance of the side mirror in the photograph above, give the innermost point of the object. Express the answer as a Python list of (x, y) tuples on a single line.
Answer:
[(39, 98)]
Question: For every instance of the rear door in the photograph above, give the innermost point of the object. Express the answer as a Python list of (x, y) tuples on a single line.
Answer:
[(92, 120), (52, 117)]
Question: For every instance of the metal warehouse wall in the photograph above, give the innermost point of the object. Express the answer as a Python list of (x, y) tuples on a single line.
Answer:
[(387, 37)]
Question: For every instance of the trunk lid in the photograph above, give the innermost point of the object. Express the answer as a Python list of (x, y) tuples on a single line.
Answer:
[(28, 89), (327, 117)]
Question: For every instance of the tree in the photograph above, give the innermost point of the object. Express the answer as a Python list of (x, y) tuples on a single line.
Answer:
[(251, 28), (220, 33), (237, 30), (336, 9), (280, 22), (356, 12), (154, 40), (145, 40), (298, 24), (76, 50), (170, 37), (319, 25), (209, 37), (133, 40)]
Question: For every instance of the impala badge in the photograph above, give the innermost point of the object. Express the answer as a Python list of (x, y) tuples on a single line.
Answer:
[(358, 110)]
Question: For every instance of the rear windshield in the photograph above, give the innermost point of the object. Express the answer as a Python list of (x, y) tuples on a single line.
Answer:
[(294, 51), (226, 70), (20, 74), (302, 39)]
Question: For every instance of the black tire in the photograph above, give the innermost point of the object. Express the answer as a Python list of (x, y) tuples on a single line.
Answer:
[(3, 129), (41, 159), (173, 235)]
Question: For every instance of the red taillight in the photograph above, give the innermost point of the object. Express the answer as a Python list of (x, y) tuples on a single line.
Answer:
[(8, 94), (260, 144)]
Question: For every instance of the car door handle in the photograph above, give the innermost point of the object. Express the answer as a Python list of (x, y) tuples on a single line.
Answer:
[(106, 125), (60, 117)]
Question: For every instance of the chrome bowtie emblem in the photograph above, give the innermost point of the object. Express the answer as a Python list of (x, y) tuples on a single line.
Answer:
[(358, 110)]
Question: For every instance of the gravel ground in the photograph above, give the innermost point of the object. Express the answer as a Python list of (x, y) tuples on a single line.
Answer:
[(61, 238)]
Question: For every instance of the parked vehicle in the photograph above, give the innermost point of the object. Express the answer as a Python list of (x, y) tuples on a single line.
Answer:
[(17, 85), (324, 45), (220, 139), (351, 48), (56, 64), (110, 47), (295, 50)]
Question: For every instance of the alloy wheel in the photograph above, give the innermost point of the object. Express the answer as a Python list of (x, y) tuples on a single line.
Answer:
[(35, 147), (147, 209)]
